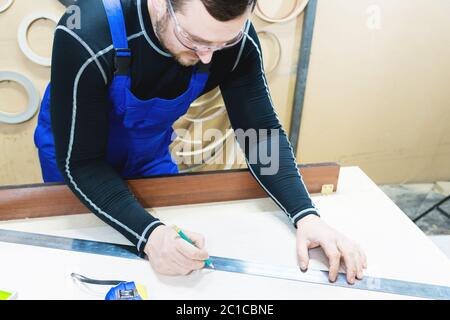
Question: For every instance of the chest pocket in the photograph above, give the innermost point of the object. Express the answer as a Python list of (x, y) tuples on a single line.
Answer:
[(156, 113)]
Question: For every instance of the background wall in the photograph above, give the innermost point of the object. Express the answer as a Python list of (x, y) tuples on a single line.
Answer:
[(378, 91), (376, 97), (18, 155)]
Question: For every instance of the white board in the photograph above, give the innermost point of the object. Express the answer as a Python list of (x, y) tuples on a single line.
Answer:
[(253, 230)]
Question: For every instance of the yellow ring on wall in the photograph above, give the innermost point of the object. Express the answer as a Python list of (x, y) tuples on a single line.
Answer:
[(201, 118), (210, 147), (23, 41), (201, 102), (205, 162), (33, 98), (272, 36), (6, 5), (300, 5), (221, 110)]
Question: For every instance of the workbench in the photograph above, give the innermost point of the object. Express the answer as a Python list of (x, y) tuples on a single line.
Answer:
[(253, 229)]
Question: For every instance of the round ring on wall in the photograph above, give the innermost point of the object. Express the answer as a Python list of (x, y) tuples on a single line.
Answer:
[(213, 145), (273, 37), (205, 161), (211, 158), (300, 5), (181, 139), (22, 36), (5, 6), (221, 110), (33, 98), (201, 102), (201, 118)]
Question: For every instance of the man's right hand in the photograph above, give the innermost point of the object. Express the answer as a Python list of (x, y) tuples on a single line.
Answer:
[(170, 255)]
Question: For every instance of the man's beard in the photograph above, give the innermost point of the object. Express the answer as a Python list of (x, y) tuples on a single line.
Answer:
[(160, 28)]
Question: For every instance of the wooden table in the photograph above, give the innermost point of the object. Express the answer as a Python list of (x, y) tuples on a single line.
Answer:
[(253, 229)]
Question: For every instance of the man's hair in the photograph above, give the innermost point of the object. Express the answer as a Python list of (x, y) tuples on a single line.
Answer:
[(222, 10)]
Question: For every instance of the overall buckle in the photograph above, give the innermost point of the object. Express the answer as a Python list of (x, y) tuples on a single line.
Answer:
[(122, 61)]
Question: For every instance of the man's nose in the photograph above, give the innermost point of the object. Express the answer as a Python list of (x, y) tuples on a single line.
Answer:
[(205, 56)]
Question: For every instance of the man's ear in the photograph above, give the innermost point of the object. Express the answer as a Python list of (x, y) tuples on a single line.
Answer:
[(159, 6)]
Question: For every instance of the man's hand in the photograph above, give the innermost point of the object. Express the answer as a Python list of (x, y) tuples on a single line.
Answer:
[(313, 232), (170, 255)]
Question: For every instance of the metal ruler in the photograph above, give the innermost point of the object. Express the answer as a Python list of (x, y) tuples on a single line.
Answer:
[(397, 287)]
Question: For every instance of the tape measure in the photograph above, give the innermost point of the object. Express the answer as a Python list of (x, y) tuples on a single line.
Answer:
[(319, 277), (122, 290)]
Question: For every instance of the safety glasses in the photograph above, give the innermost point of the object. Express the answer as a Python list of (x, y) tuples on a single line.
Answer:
[(186, 40)]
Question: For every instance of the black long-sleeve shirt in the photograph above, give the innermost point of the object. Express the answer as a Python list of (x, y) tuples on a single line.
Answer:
[(82, 70)]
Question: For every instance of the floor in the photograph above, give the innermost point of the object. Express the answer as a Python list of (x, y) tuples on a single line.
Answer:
[(414, 199)]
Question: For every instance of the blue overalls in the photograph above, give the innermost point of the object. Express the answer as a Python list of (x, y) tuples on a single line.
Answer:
[(140, 132)]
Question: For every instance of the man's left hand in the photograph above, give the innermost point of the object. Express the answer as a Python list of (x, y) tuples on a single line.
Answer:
[(313, 232)]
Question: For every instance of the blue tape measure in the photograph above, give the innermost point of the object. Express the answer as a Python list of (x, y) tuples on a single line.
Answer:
[(122, 290)]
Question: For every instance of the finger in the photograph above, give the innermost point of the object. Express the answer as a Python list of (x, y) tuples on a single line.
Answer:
[(167, 269), (364, 259), (176, 268), (196, 238), (179, 270), (360, 266), (334, 257), (350, 268), (360, 273), (190, 251), (350, 262), (190, 264), (303, 254)]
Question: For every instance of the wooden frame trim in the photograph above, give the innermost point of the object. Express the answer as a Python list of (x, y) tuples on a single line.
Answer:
[(46, 200)]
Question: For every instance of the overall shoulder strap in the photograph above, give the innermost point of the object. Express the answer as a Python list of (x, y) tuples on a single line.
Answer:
[(122, 59)]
